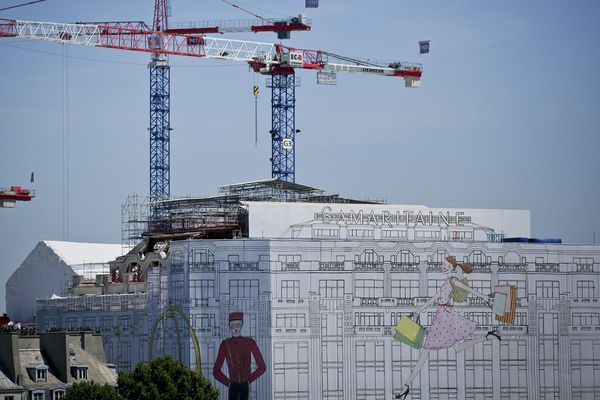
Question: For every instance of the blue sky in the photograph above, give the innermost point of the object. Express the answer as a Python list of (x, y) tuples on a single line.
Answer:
[(507, 115)]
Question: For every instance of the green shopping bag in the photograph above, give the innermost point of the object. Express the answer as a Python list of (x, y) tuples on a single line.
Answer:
[(418, 340), (459, 294)]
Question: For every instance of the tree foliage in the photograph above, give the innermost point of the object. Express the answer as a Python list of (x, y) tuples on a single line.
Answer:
[(165, 379), (91, 390)]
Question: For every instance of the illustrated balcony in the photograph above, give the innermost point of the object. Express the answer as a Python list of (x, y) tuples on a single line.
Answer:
[(504, 329), (368, 266), (207, 331), (585, 301), (547, 267), (404, 267), (476, 302), (387, 302), (202, 266), (289, 301), (290, 266), (481, 267), (331, 266), (589, 329), (243, 266), (366, 301), (287, 331), (369, 330), (512, 267), (434, 266), (584, 267)]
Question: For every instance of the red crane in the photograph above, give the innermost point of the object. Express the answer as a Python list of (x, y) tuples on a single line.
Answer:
[(10, 196)]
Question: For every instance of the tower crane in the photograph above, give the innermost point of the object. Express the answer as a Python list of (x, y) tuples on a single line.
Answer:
[(275, 60)]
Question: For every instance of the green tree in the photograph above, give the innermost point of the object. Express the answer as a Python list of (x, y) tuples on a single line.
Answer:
[(165, 379), (91, 390)]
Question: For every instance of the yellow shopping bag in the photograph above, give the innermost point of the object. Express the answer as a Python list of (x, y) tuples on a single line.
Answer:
[(408, 328)]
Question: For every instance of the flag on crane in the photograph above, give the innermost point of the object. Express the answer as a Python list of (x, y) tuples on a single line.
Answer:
[(423, 46), (311, 4), (32, 178)]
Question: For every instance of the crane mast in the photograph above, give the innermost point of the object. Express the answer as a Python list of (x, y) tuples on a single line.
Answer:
[(160, 112)]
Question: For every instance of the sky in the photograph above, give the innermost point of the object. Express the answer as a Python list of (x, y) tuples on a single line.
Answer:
[(506, 116)]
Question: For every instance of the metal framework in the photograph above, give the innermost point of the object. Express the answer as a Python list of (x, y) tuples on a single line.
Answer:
[(283, 125), (160, 128)]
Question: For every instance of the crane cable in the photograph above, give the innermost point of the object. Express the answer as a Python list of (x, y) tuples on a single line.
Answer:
[(21, 5), (65, 139), (246, 11)]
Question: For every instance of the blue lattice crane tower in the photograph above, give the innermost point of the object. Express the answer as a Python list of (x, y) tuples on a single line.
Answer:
[(283, 124), (160, 111)]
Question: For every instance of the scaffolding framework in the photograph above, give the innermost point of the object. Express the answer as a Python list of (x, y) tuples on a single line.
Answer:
[(222, 216)]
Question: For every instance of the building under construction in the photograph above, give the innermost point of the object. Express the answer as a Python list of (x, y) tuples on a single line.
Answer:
[(322, 280), (223, 216)]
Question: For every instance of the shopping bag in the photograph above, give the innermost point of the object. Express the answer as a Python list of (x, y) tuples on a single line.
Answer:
[(408, 328), (505, 289), (499, 303), (509, 317), (459, 294), (407, 325), (417, 343)]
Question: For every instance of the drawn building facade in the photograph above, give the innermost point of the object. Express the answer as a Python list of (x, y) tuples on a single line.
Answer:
[(322, 288)]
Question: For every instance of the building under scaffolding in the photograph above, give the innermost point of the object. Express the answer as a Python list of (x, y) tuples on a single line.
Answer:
[(223, 216)]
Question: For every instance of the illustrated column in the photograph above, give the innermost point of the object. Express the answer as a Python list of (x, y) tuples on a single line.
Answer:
[(564, 351), (533, 360), (315, 366), (349, 360)]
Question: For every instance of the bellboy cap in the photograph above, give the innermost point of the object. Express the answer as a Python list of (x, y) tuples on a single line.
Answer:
[(236, 316)]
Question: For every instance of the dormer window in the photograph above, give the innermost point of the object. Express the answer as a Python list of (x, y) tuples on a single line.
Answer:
[(39, 373), (80, 372)]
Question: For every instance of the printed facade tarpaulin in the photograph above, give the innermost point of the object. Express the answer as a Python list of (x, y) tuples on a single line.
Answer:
[(511, 305)]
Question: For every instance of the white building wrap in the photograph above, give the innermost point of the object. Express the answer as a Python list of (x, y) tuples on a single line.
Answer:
[(322, 290)]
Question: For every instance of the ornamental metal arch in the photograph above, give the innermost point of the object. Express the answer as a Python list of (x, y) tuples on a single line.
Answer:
[(172, 312)]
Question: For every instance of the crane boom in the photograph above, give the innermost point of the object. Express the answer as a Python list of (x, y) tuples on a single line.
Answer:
[(262, 57)]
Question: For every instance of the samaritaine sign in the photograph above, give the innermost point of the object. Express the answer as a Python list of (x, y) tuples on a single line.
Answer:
[(391, 219), (300, 220)]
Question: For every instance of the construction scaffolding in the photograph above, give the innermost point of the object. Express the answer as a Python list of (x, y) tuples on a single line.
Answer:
[(223, 216)]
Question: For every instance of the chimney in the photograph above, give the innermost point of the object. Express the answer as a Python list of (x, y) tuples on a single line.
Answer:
[(9, 356), (55, 348), (92, 343)]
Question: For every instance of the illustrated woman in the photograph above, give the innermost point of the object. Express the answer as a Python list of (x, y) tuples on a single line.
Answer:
[(448, 328)]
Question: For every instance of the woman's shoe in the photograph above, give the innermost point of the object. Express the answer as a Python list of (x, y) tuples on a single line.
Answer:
[(403, 394), (495, 333)]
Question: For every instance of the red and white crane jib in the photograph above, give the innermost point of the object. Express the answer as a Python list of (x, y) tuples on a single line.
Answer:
[(117, 37), (324, 61), (262, 57)]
